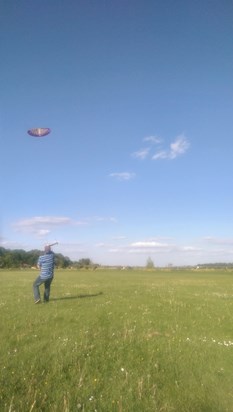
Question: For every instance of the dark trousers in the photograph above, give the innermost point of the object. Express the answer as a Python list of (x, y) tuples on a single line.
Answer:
[(36, 288)]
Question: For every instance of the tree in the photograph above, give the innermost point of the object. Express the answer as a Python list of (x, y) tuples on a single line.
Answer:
[(20, 258), (84, 263), (62, 261), (149, 263)]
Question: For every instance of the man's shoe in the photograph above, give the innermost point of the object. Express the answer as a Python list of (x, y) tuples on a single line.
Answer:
[(37, 301)]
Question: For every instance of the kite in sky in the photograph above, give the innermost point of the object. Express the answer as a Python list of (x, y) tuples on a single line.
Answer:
[(39, 131)]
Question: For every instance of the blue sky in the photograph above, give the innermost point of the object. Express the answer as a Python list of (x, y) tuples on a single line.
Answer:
[(138, 96)]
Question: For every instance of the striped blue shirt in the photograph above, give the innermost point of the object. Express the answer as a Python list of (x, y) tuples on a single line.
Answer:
[(46, 265)]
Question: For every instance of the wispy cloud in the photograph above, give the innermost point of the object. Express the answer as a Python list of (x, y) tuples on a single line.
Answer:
[(144, 152), (105, 219), (218, 241), (41, 226), (177, 148), (42, 232), (190, 249), (119, 238), (149, 245), (141, 154), (9, 244), (157, 246), (123, 175), (162, 154), (42, 220), (152, 139)]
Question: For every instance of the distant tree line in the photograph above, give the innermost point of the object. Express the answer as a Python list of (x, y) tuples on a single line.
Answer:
[(19, 258), (219, 265)]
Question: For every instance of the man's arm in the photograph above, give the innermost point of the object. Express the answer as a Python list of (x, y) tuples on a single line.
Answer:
[(39, 263)]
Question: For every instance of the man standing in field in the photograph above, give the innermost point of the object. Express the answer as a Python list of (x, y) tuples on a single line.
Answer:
[(46, 265)]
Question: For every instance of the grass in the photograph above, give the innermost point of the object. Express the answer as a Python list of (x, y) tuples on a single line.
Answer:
[(118, 341)]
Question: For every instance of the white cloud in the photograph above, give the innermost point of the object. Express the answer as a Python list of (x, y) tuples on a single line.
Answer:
[(177, 148), (152, 139), (160, 155), (114, 250), (43, 232), (144, 152), (9, 244), (190, 249), (123, 175), (218, 241), (42, 220), (100, 245), (41, 226), (106, 219), (148, 244), (141, 154)]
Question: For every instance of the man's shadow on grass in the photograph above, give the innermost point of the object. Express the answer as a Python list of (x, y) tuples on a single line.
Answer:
[(91, 295)]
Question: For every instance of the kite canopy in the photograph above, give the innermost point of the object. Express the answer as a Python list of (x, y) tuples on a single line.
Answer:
[(39, 131)]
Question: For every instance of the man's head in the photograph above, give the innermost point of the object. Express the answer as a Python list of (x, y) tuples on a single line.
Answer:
[(47, 249)]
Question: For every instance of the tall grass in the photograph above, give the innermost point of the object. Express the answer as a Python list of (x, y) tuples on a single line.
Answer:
[(117, 341)]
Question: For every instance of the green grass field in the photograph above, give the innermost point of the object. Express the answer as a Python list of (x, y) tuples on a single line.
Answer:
[(130, 341)]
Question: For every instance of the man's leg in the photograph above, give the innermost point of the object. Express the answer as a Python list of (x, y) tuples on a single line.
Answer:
[(36, 290), (47, 285)]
